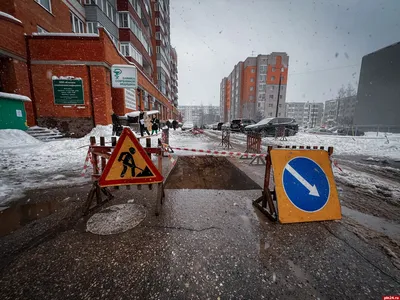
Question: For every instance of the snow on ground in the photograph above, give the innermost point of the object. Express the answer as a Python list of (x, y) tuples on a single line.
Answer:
[(369, 145), (27, 163)]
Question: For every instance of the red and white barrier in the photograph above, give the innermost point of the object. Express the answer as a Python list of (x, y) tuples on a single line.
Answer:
[(224, 153)]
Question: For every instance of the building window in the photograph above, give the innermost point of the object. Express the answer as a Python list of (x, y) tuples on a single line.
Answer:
[(45, 4), (270, 114), (104, 6), (110, 12), (77, 24), (282, 69), (263, 69), (253, 70), (158, 35), (263, 78), (91, 27), (279, 114), (157, 49), (280, 105), (252, 79), (157, 21), (125, 49), (270, 105), (280, 96), (271, 96), (273, 69), (272, 78), (123, 20), (251, 88), (41, 29)]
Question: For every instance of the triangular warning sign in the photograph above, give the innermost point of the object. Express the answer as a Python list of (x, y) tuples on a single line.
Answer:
[(129, 164)]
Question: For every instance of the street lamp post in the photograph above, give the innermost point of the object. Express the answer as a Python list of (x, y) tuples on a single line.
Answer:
[(279, 93)]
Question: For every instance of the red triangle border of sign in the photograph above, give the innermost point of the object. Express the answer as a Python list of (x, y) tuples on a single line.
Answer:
[(127, 133)]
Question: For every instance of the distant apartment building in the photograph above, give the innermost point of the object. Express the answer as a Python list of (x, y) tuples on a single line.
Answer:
[(306, 114), (340, 111), (256, 88), (83, 39), (378, 96), (200, 114)]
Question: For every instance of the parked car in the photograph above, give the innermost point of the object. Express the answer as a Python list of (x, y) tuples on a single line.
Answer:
[(226, 126), (219, 126), (268, 126), (187, 126), (240, 124), (320, 131), (350, 131), (214, 126)]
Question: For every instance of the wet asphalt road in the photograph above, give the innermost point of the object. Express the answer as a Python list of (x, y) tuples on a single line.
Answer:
[(206, 244)]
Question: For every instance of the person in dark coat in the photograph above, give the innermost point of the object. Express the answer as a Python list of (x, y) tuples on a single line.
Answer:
[(141, 124), (168, 123), (155, 126), (117, 127), (174, 124)]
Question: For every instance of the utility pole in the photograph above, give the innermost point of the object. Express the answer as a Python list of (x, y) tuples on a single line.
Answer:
[(279, 93)]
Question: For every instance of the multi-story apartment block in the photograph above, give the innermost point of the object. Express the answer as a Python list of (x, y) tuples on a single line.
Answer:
[(257, 88), (340, 111), (83, 39), (306, 114), (200, 114)]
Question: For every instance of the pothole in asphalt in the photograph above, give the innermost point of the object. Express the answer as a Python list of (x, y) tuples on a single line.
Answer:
[(208, 172), (116, 219)]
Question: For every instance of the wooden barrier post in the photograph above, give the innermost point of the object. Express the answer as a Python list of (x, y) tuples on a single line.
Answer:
[(266, 197), (148, 144)]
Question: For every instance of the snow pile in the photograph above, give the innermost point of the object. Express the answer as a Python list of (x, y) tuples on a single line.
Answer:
[(15, 97), (15, 138), (65, 34), (347, 145)]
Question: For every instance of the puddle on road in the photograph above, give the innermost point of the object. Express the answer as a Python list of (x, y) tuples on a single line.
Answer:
[(208, 172), (378, 224), (16, 216)]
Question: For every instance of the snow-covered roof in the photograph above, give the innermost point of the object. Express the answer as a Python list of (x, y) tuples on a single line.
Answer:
[(65, 34), (136, 113), (65, 77), (15, 97), (3, 14)]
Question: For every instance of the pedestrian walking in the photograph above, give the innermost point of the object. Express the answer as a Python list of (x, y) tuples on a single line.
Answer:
[(141, 124), (155, 126), (174, 124), (117, 127)]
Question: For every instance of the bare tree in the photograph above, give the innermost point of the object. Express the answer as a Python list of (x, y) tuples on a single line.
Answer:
[(350, 90)]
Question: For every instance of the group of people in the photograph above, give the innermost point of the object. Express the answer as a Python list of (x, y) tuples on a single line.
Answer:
[(148, 124), (174, 124)]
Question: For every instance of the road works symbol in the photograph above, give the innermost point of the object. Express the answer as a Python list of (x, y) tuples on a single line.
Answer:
[(129, 155)]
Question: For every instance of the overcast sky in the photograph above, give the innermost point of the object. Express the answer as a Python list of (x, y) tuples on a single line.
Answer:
[(325, 41)]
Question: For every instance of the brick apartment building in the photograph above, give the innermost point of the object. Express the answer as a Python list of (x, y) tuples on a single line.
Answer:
[(45, 39), (256, 88)]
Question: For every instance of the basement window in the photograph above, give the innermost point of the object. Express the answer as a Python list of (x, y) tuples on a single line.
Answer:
[(45, 4)]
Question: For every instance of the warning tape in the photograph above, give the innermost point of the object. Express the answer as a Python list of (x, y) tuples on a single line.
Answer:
[(224, 153)]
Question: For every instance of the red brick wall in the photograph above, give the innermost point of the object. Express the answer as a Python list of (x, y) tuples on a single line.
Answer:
[(101, 94), (66, 48), (43, 90), (12, 37), (246, 84), (33, 14)]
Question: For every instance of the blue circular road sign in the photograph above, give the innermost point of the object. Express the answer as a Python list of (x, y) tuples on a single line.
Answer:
[(306, 184)]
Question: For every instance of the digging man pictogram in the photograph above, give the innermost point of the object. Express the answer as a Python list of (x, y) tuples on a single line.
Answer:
[(128, 161)]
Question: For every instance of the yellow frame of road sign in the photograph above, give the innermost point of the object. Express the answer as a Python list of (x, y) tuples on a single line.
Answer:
[(122, 158), (287, 211)]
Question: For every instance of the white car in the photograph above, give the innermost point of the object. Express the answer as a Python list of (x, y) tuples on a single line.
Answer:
[(187, 126)]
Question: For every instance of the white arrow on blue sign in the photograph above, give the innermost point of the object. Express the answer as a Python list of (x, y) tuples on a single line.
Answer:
[(306, 184)]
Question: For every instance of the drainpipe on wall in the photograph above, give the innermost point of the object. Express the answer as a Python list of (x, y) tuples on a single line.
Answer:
[(28, 65), (91, 94)]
